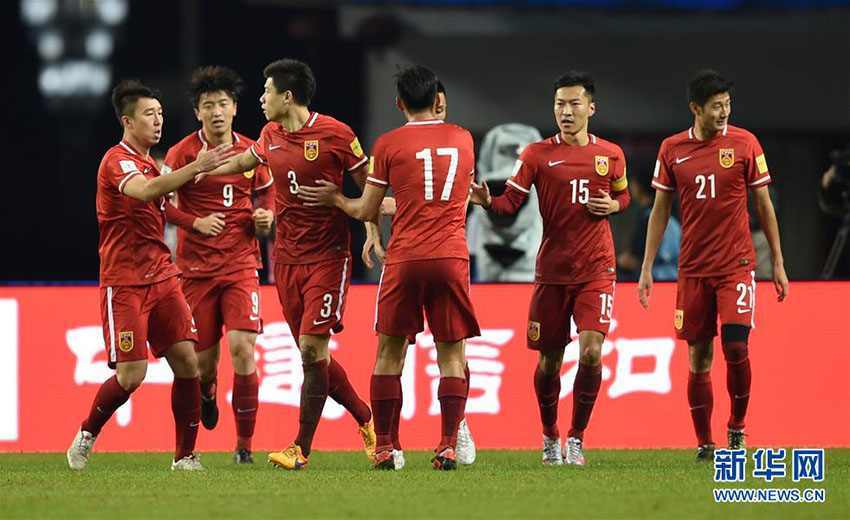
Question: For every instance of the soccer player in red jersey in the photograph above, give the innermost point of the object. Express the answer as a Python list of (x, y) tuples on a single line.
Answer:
[(140, 297), (580, 180), (712, 164), (429, 165), (312, 247), (218, 252)]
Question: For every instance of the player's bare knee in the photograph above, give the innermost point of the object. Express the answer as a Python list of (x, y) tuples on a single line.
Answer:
[(130, 375), (701, 355), (183, 360), (550, 361), (590, 349)]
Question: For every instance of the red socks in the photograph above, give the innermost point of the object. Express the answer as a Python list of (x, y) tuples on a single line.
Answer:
[(341, 391), (547, 389), (385, 392), (585, 391), (701, 400), (109, 398), (452, 395), (397, 417), (314, 393), (738, 379), (186, 407), (245, 402)]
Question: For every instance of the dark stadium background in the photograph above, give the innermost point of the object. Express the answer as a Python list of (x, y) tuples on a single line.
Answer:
[(790, 61)]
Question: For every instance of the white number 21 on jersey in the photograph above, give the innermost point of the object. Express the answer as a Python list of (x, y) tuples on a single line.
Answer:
[(425, 155)]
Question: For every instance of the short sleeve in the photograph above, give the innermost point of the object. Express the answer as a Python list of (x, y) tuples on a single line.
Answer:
[(524, 173), (662, 178), (259, 148), (262, 178), (618, 176), (120, 170), (378, 172), (173, 160), (756, 171), (348, 150)]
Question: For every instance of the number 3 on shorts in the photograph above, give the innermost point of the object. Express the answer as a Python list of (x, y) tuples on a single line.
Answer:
[(328, 300)]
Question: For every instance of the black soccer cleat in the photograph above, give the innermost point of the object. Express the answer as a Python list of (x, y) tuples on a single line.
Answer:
[(243, 456), (384, 460), (705, 453), (445, 460), (736, 439), (209, 412)]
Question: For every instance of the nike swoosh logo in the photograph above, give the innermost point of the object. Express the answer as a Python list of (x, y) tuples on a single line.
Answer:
[(320, 322), (274, 147), (253, 318), (743, 311), (555, 163), (240, 410), (194, 424), (680, 160), (741, 396)]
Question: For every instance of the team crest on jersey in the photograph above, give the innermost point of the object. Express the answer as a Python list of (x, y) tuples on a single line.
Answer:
[(533, 330), (125, 341), (248, 174), (311, 150), (679, 319), (727, 157), (601, 165)]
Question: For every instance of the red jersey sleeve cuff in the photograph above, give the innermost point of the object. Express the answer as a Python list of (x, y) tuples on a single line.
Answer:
[(359, 163), (377, 182), (125, 179), (763, 180), (255, 154), (658, 186), (517, 186)]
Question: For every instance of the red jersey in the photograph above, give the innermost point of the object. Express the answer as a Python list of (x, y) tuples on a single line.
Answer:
[(321, 149), (429, 165), (712, 178), (577, 246), (236, 247), (132, 251)]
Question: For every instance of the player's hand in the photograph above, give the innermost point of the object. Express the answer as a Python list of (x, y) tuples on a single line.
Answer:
[(209, 160), (209, 226), (388, 207), (644, 288), (263, 219), (380, 252), (323, 195), (780, 282), (480, 194), (602, 205), (368, 247)]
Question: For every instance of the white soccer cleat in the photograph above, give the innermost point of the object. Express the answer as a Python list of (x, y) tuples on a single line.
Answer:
[(78, 453), (573, 453), (552, 451), (188, 463), (398, 459), (465, 449)]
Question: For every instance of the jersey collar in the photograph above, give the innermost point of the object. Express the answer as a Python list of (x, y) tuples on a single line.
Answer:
[(592, 139), (425, 122), (693, 137)]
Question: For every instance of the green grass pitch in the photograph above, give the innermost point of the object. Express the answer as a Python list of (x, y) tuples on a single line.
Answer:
[(501, 484)]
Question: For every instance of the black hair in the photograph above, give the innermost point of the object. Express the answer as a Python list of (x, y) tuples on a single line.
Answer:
[(707, 83), (294, 76), (127, 93), (206, 80), (441, 88), (574, 78), (416, 86)]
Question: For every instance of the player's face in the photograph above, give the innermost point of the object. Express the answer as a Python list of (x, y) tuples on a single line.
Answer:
[(273, 102), (216, 110), (441, 106), (573, 107), (146, 121), (714, 114)]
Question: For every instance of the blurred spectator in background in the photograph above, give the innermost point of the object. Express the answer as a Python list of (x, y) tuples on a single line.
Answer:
[(629, 261), (764, 262), (834, 199), (504, 248)]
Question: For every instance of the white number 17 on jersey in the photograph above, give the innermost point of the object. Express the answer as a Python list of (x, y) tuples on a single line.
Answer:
[(425, 155)]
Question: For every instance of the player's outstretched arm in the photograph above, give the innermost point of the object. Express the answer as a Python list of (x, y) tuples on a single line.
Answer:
[(243, 162), (767, 219), (141, 188), (327, 194), (210, 226), (658, 219)]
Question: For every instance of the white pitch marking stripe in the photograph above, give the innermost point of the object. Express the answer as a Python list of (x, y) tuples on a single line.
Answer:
[(760, 181), (112, 354), (359, 164), (662, 187), (517, 186), (379, 181)]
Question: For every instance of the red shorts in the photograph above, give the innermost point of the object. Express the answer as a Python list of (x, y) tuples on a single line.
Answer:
[(439, 286), (700, 300), (590, 304), (134, 315), (231, 300), (313, 295)]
